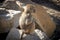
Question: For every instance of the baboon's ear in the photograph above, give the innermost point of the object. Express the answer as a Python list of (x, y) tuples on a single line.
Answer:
[(32, 9)]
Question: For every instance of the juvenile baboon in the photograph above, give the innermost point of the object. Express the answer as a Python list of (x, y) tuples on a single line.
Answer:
[(26, 21)]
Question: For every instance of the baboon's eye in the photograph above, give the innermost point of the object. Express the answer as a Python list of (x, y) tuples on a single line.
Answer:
[(32, 9)]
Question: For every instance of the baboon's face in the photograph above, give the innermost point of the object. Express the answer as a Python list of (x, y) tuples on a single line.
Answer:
[(29, 9)]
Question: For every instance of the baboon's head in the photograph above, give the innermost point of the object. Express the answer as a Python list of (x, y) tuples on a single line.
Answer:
[(29, 8)]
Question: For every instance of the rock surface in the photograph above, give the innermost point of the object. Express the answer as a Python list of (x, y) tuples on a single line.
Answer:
[(54, 14), (15, 34), (8, 19)]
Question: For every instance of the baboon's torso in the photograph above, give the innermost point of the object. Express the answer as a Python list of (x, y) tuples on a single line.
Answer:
[(26, 21)]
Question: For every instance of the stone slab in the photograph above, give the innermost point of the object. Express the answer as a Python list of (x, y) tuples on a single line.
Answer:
[(8, 19), (15, 34)]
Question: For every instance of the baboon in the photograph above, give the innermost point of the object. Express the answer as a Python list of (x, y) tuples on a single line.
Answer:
[(26, 21)]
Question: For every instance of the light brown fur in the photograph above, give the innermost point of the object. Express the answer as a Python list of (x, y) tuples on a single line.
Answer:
[(26, 21)]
